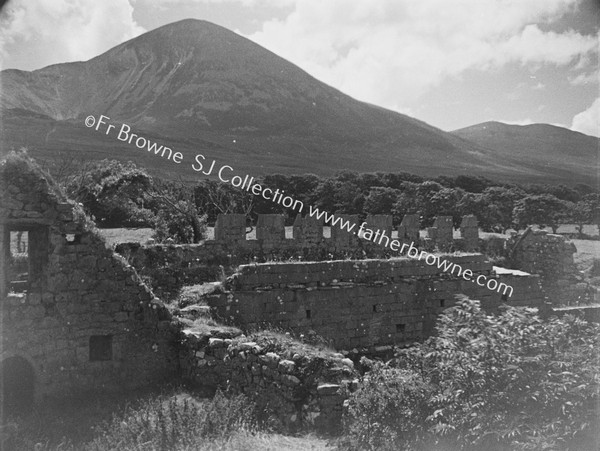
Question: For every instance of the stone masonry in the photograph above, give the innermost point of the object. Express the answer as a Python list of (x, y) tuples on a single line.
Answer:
[(551, 256), (169, 267), (360, 303), (78, 317), (295, 385)]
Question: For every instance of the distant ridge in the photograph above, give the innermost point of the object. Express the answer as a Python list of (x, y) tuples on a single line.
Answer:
[(560, 150)]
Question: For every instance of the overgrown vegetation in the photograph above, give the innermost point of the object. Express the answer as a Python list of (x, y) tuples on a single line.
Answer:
[(496, 382), (173, 422)]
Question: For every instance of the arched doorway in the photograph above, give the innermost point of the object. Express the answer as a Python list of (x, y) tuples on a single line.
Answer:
[(17, 379)]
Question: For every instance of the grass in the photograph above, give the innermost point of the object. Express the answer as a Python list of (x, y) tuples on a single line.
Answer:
[(126, 235), (282, 342), (587, 251), (177, 420)]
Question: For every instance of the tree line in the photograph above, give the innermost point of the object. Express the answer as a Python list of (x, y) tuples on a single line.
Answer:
[(120, 194)]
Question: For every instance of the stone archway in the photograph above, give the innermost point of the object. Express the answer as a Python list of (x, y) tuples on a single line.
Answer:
[(17, 385)]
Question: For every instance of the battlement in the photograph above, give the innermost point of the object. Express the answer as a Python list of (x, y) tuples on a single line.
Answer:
[(309, 232)]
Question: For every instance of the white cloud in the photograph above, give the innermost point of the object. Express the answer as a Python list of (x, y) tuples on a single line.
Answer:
[(526, 121), (249, 3), (390, 52), (585, 78), (40, 32), (588, 121)]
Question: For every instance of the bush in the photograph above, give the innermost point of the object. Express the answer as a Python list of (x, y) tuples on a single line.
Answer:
[(174, 423), (494, 382), (388, 410)]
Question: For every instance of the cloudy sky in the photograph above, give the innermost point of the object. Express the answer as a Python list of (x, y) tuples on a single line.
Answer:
[(451, 63)]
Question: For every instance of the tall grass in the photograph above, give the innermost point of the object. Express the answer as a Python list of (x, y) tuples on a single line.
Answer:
[(174, 422)]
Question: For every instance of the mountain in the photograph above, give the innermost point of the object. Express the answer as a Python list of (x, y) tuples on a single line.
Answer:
[(561, 151), (200, 88)]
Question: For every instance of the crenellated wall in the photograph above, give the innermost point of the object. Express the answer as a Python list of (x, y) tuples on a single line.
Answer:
[(169, 266)]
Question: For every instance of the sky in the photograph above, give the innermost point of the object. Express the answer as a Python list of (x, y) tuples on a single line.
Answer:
[(450, 63)]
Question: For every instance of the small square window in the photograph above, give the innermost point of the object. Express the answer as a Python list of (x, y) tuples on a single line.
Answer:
[(100, 348), (73, 239)]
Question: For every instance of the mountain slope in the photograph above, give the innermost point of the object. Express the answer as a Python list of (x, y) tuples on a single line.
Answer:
[(198, 87), (559, 150)]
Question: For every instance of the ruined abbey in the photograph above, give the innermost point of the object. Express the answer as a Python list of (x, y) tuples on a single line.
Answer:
[(76, 314)]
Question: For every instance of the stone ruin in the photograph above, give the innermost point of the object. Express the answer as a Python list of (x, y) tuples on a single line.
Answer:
[(76, 316), (361, 303), (551, 256), (170, 267)]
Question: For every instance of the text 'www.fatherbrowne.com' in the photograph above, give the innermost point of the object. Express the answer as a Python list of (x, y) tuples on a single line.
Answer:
[(227, 174)]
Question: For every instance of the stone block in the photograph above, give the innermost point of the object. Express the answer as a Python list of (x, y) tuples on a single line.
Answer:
[(230, 228), (328, 389), (270, 228), (408, 231)]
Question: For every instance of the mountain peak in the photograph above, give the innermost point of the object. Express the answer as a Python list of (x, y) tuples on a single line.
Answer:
[(201, 86)]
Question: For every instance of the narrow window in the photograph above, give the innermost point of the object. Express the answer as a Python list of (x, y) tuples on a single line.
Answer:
[(308, 314), (26, 254), (442, 302), (100, 348), (374, 308), (18, 263)]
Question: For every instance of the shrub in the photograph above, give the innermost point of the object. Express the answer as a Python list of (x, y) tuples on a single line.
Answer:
[(174, 423), (388, 410), (494, 382)]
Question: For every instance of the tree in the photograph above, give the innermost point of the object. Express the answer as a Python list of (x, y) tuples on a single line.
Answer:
[(497, 207), (592, 203), (178, 218), (212, 198), (381, 200), (580, 213), (113, 193), (445, 203), (543, 210), (472, 184)]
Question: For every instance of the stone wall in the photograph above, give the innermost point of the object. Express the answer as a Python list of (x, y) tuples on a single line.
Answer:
[(550, 256), (294, 385), (364, 303), (80, 315), (168, 266)]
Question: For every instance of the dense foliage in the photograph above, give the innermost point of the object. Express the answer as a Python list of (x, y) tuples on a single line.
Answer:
[(119, 194), (123, 195), (496, 382)]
